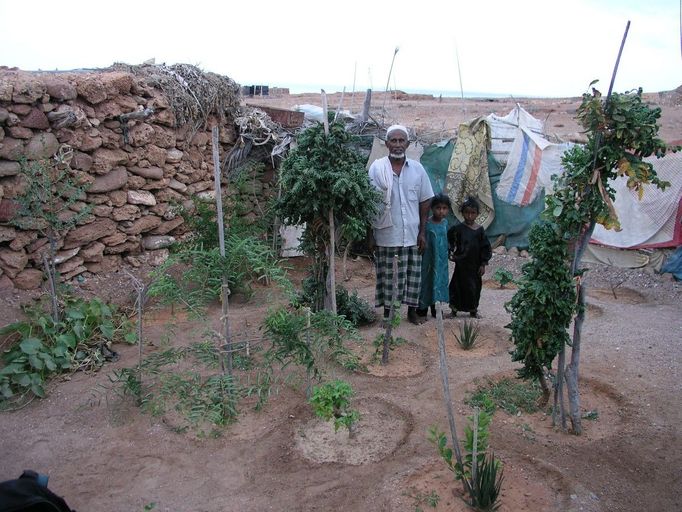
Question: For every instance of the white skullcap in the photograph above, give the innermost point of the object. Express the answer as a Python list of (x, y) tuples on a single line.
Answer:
[(397, 127)]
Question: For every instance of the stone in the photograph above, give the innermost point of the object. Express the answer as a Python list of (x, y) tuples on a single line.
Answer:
[(12, 262), (35, 119), (157, 257), (168, 226), (513, 251), (113, 180), (7, 233), (174, 156), (199, 186), (155, 155), (501, 249), (169, 196), (200, 139), (106, 159), (524, 253), (142, 225), (60, 89), (133, 247), (6, 90), (67, 276), (70, 265), (125, 212), (176, 185), (111, 139), (4, 115), (85, 141), (102, 210), (20, 110), (163, 137), (81, 161), (11, 149), (63, 256), (116, 239), (117, 82), (165, 117), (28, 90), (108, 109), (22, 239), (108, 263), (155, 184), (28, 279), (206, 197), (41, 146), (153, 173), (20, 132), (118, 197), (9, 168), (89, 233), (141, 197), (92, 89), (92, 252), (157, 242), (140, 135), (136, 182)]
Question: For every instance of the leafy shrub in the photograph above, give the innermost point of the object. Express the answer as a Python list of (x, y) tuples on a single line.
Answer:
[(350, 305), (508, 394), (41, 347), (503, 276), (332, 400)]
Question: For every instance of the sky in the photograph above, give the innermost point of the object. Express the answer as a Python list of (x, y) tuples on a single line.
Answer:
[(545, 48)]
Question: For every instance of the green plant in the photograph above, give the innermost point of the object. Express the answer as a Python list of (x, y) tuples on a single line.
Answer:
[(508, 394), (503, 276), (481, 481), (378, 344), (469, 332), (324, 186), (39, 347), (419, 498), (350, 305), (332, 401)]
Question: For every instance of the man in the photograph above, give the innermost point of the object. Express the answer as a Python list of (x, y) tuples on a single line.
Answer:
[(400, 223)]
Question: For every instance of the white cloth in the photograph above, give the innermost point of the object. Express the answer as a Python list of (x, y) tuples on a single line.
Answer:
[(383, 180), (409, 189)]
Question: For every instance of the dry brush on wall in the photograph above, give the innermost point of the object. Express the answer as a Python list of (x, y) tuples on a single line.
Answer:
[(135, 138)]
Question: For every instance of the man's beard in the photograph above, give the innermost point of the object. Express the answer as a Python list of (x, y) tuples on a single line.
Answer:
[(397, 156)]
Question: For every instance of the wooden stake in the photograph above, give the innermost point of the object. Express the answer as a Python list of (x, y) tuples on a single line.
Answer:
[(325, 119), (330, 302), (336, 114), (388, 80), (307, 341), (391, 316), (365, 107), (225, 289)]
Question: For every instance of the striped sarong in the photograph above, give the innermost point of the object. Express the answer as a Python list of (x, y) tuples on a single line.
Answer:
[(409, 275)]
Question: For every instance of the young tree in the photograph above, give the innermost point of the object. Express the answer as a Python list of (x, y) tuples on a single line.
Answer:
[(324, 185), (621, 130)]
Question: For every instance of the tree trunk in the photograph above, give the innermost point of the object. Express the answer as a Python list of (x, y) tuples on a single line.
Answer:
[(571, 374), (330, 289), (546, 392)]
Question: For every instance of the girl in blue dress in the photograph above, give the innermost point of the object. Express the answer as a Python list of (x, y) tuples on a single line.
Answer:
[(434, 286)]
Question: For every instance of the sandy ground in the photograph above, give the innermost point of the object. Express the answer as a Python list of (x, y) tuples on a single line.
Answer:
[(102, 453)]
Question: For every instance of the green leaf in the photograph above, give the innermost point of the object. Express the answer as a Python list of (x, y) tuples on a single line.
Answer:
[(31, 346), (75, 314)]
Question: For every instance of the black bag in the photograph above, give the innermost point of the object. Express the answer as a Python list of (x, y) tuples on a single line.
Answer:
[(29, 493)]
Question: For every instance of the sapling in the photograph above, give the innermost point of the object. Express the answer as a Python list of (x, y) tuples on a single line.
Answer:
[(332, 401)]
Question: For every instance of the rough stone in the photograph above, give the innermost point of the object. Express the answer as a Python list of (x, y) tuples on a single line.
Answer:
[(200, 139), (176, 185), (28, 279), (36, 119), (116, 239), (199, 186), (20, 132), (131, 247), (168, 226), (109, 263), (140, 135), (163, 137), (20, 110), (141, 197), (92, 252), (92, 89), (63, 256), (155, 155), (7, 233), (113, 180), (125, 212), (89, 233), (70, 265), (27, 90), (153, 173), (108, 109), (9, 168), (174, 156), (118, 197), (157, 242), (106, 159), (81, 161), (22, 239), (67, 276), (60, 89), (85, 141), (6, 284), (42, 145), (102, 210), (156, 258), (6, 90), (110, 138), (136, 182), (142, 225), (11, 149), (12, 262)]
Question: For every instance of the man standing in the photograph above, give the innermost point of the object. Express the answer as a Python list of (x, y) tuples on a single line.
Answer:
[(399, 226)]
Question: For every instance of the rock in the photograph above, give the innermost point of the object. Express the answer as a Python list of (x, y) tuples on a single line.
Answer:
[(125, 212), (199, 186), (176, 185), (106, 159), (81, 161), (36, 119), (12, 262), (136, 182), (163, 137), (174, 156), (86, 142), (140, 135), (113, 180), (131, 246), (157, 242), (152, 173), (155, 155), (41, 146), (28, 279), (142, 225), (141, 197), (92, 252), (66, 276), (20, 110), (116, 239), (156, 258), (60, 89), (63, 256), (206, 197), (20, 132), (7, 233), (70, 265), (27, 90), (102, 210), (92, 89), (9, 168), (513, 251), (22, 239), (200, 139), (6, 90), (524, 253), (109, 263), (89, 233), (6, 283), (168, 226), (11, 149)]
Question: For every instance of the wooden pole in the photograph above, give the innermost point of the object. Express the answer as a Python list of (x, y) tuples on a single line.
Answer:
[(446, 386), (388, 80), (352, 95), (365, 107), (325, 119), (336, 114), (225, 289), (391, 316), (307, 341), (331, 267)]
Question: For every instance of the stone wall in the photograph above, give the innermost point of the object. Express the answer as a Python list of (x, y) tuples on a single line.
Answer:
[(135, 173)]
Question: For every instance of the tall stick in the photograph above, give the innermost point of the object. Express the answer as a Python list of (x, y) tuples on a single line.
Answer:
[(307, 341), (365, 107), (388, 80), (225, 289), (446, 387), (336, 114), (391, 316), (352, 95), (331, 267), (325, 119)]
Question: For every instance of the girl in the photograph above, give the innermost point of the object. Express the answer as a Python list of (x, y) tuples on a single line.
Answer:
[(470, 250), (434, 286)]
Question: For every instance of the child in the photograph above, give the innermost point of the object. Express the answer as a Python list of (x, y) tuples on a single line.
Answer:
[(471, 251), (434, 286)]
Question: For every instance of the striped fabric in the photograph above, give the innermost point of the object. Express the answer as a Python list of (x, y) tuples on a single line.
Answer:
[(409, 275)]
